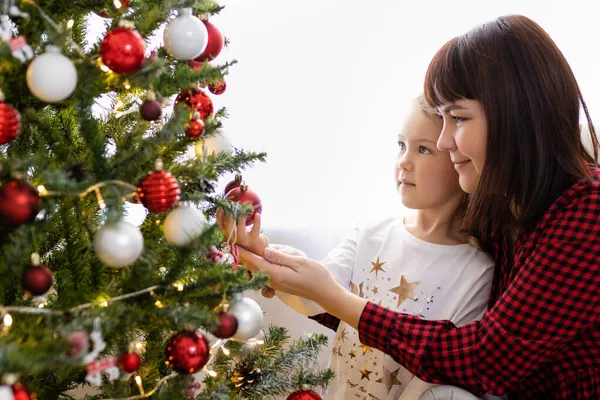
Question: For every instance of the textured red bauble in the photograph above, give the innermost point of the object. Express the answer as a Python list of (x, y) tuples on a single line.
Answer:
[(129, 362), (37, 279), (304, 395), (10, 123), (228, 325), (218, 87), (20, 393), (195, 129), (159, 191), (187, 352), (151, 110), (19, 203), (215, 43), (236, 182), (196, 100), (244, 195), (122, 50)]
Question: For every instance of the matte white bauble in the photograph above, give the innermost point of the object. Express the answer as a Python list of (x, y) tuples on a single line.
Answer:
[(249, 316), (186, 36), (118, 244), (51, 76), (183, 225)]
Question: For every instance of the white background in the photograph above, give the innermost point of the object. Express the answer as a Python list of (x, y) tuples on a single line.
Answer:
[(323, 86)]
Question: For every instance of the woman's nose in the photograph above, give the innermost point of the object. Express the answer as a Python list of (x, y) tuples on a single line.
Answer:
[(446, 140)]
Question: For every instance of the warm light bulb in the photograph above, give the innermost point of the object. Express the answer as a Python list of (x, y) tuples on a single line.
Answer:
[(70, 24), (8, 320)]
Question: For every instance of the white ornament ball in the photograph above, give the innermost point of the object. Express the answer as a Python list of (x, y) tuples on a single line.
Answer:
[(215, 144), (249, 316), (51, 77), (186, 36), (118, 244), (183, 225)]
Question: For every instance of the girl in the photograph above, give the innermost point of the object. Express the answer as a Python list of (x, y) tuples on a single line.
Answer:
[(510, 106), (402, 264)]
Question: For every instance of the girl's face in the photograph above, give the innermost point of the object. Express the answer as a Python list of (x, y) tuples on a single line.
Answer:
[(464, 135), (425, 176)]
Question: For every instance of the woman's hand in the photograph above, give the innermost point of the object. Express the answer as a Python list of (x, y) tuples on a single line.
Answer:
[(251, 240), (301, 276)]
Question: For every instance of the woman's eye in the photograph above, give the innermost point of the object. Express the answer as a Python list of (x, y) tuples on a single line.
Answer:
[(424, 150)]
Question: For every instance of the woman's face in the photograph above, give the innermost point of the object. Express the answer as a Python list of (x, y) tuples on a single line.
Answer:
[(464, 135)]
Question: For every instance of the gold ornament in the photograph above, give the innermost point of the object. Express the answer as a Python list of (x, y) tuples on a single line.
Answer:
[(406, 290), (377, 267)]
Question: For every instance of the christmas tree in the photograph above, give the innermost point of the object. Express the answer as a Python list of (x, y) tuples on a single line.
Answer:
[(87, 130)]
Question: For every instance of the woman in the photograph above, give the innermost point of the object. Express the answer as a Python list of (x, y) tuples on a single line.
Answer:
[(510, 106)]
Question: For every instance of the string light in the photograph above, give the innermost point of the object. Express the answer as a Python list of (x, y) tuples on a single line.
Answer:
[(159, 304), (127, 85), (100, 200), (138, 381), (70, 24), (42, 190), (117, 4), (179, 286), (210, 372), (225, 350)]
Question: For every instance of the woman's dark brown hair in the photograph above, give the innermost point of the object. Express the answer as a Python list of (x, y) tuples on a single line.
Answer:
[(532, 103)]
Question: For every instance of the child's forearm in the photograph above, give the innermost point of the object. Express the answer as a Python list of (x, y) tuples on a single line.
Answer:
[(342, 304)]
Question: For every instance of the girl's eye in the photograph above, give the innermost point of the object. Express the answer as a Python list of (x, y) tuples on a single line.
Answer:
[(459, 120), (402, 145), (424, 150)]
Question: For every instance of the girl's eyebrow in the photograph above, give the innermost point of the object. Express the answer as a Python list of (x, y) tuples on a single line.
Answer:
[(417, 140)]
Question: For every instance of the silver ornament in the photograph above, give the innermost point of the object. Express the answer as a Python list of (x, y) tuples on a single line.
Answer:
[(118, 244), (249, 316)]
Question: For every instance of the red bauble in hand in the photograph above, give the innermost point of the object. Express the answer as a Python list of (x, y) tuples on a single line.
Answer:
[(10, 123), (19, 203), (195, 128), (215, 43), (304, 395), (187, 352), (196, 100), (122, 50), (234, 183), (159, 190), (228, 325), (129, 362), (243, 195), (218, 87)]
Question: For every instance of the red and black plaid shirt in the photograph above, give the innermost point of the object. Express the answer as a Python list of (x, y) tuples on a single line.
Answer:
[(539, 338)]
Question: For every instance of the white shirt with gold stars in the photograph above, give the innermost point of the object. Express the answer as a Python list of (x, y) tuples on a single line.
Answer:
[(386, 264)]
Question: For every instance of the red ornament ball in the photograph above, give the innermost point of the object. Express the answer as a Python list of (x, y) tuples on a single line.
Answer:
[(37, 279), (129, 362), (218, 87), (196, 100), (215, 43), (304, 395), (195, 129), (159, 191), (19, 203), (228, 325), (233, 184), (21, 393), (122, 50), (10, 123), (243, 195), (187, 352), (151, 110)]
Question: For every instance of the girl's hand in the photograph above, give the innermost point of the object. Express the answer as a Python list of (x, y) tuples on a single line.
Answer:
[(251, 240)]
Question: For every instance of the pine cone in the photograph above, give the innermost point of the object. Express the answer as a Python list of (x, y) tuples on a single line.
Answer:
[(246, 376)]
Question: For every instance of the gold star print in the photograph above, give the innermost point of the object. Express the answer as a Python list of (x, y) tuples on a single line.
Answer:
[(343, 335), (365, 348), (375, 290), (389, 379), (334, 351), (377, 267), (365, 374), (358, 290), (352, 354), (406, 290)]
